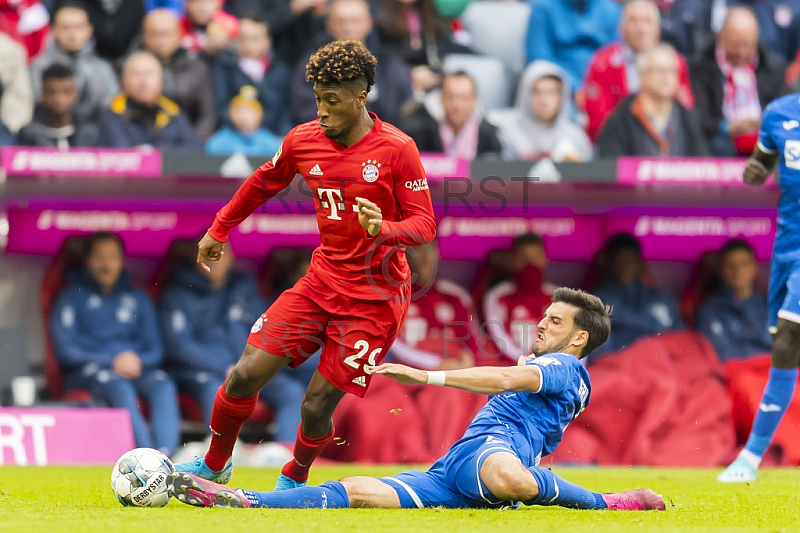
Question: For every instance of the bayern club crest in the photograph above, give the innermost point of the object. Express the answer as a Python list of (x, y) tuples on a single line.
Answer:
[(371, 170)]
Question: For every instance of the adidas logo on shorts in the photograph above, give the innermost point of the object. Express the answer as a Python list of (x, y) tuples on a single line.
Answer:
[(360, 380)]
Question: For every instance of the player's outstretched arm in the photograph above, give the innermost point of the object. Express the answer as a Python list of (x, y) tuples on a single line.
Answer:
[(759, 166), (483, 380)]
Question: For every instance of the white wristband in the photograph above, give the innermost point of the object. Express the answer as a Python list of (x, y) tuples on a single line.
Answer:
[(436, 378)]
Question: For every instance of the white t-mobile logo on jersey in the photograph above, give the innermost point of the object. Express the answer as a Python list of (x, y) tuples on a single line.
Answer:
[(335, 205)]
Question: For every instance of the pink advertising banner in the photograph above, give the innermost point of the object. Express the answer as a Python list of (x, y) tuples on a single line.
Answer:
[(438, 167), (80, 162), (686, 171), (666, 233), (39, 436)]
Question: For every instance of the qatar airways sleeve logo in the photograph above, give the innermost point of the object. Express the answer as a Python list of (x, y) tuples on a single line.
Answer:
[(417, 185)]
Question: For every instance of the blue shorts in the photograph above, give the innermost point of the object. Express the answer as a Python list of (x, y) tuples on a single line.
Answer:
[(454, 480), (784, 292)]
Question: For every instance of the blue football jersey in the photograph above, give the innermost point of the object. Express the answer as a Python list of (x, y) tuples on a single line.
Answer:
[(536, 421), (780, 133)]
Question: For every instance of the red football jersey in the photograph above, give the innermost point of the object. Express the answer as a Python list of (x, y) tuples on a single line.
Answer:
[(383, 167)]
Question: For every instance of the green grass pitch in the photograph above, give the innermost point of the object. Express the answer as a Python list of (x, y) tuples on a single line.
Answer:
[(79, 500)]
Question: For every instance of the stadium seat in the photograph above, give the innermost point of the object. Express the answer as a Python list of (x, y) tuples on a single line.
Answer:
[(55, 278), (490, 75), (498, 30)]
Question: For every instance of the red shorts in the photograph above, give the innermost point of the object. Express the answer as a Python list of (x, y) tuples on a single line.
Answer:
[(351, 333)]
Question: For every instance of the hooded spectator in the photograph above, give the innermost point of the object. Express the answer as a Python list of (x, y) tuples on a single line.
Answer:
[(16, 96), (542, 127)]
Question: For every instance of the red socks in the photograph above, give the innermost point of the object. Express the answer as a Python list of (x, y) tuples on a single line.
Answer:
[(305, 451), (227, 417)]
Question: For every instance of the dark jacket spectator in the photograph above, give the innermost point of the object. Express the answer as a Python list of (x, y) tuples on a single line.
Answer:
[(351, 19), (56, 123), (416, 33), (750, 75), (568, 32), (72, 45), (294, 24), (16, 96), (186, 79), (461, 132), (652, 122), (116, 24), (6, 137), (639, 310), (106, 338), (687, 26), (141, 116), (735, 318), (254, 64)]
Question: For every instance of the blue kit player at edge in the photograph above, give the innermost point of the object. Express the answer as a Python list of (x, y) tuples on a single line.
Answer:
[(496, 462), (778, 144)]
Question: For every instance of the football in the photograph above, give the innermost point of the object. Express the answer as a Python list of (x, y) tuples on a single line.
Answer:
[(139, 478)]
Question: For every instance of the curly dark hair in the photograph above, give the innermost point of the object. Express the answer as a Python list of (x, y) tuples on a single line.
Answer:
[(342, 62)]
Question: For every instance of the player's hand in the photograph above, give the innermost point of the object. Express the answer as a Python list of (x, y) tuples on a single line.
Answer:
[(400, 373), (127, 365), (209, 249), (369, 216), (755, 173)]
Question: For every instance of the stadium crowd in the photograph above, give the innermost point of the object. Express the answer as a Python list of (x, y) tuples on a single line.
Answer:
[(603, 78)]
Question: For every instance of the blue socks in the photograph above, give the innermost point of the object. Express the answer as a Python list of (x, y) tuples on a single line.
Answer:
[(555, 491), (776, 398), (331, 495)]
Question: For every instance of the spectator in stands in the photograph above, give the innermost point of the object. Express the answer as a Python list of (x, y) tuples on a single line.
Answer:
[(439, 332), (612, 73), (176, 6), (25, 21), (419, 35), (733, 80), (689, 25), (294, 24), (6, 137), (141, 115), (542, 127), (462, 132), (56, 123), (639, 310), (205, 318), (652, 122), (351, 20), (253, 63), (735, 319), (245, 134), (778, 23), (116, 24), (16, 96), (568, 32), (106, 338), (512, 309), (206, 28), (72, 45), (186, 79)]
